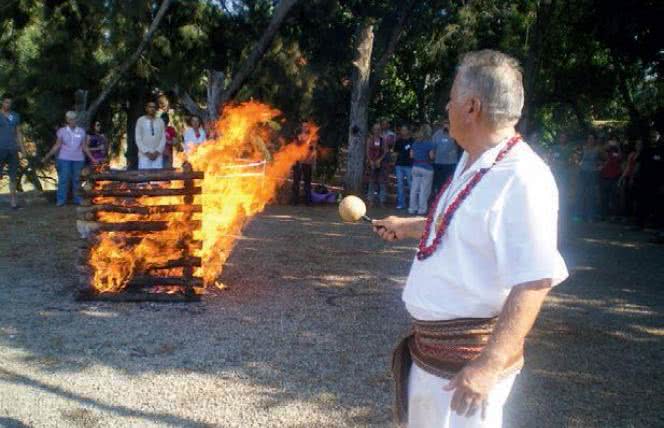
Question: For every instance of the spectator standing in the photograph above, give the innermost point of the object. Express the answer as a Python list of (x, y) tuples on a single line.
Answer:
[(422, 154), (586, 193), (303, 170), (194, 134), (561, 160), (390, 138), (11, 143), (71, 147), (171, 136), (609, 176), (403, 164), (626, 183), (98, 144), (446, 156), (150, 138), (376, 150)]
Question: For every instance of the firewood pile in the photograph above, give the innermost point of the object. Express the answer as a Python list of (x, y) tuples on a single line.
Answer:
[(138, 238)]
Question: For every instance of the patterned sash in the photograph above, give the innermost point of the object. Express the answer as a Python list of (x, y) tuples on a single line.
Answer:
[(441, 348)]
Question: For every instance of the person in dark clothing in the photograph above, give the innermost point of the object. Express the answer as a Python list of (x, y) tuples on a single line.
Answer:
[(302, 170), (403, 164), (609, 176)]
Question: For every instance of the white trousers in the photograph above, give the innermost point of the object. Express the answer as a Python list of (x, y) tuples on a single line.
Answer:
[(145, 163), (429, 403), (420, 190)]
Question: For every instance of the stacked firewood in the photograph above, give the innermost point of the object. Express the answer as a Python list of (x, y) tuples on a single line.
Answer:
[(124, 196)]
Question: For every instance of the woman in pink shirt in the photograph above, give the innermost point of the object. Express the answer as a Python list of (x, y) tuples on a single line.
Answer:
[(71, 147)]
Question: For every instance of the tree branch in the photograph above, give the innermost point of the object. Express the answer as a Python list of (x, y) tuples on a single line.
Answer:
[(116, 73), (189, 104), (259, 50)]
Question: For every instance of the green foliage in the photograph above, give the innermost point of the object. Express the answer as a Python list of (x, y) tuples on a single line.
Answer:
[(593, 55)]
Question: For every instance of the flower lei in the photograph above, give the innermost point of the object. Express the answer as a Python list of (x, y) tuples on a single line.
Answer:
[(424, 251)]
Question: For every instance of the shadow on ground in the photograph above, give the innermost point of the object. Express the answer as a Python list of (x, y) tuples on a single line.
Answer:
[(303, 333)]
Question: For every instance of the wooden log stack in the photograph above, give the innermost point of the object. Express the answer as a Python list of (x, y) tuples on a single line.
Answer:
[(131, 194)]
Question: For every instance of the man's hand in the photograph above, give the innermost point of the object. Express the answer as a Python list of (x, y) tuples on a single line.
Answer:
[(472, 384), (471, 387), (394, 228)]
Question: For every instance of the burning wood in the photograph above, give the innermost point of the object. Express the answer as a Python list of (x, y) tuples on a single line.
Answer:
[(170, 231), (138, 193)]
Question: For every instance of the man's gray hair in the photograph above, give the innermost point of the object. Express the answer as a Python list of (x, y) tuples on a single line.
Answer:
[(496, 79), (71, 115)]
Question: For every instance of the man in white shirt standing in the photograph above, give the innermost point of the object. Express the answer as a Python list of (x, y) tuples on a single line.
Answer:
[(487, 258), (150, 138)]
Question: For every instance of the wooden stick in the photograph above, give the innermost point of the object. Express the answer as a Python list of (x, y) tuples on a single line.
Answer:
[(145, 210), (144, 176), (176, 242), (137, 193), (133, 296), (182, 262), (152, 281), (130, 226)]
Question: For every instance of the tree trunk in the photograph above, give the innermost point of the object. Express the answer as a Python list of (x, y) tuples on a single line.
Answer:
[(257, 54), (533, 63), (134, 111), (359, 106), (114, 76), (216, 95), (214, 91), (215, 87)]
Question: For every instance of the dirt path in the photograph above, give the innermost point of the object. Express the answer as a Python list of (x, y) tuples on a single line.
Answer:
[(303, 334)]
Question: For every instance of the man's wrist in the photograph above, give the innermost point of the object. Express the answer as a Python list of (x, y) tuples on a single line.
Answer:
[(494, 358)]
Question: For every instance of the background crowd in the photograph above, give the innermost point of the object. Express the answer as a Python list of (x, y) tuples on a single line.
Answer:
[(600, 177), (158, 134)]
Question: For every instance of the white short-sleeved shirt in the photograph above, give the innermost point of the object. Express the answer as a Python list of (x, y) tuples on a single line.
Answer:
[(502, 235)]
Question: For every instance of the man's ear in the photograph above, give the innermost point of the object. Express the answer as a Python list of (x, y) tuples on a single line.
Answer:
[(474, 106)]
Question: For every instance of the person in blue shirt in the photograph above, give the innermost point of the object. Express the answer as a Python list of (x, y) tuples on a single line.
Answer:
[(422, 154), (11, 143), (447, 155)]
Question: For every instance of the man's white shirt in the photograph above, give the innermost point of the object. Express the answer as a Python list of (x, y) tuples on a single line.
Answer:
[(504, 233), (150, 135)]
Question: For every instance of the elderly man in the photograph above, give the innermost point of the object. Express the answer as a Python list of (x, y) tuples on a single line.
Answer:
[(487, 258)]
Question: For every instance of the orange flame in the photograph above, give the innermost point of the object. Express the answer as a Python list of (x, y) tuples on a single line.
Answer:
[(239, 182)]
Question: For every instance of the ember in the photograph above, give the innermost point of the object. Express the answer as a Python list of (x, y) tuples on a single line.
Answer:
[(166, 234)]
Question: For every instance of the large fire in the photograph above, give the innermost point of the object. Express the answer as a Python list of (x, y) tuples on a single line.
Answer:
[(242, 175)]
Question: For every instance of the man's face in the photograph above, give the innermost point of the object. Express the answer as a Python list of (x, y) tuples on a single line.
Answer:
[(385, 125), (7, 104), (454, 112), (376, 129), (404, 132), (150, 109)]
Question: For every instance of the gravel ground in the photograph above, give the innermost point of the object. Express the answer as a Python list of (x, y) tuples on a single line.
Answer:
[(302, 336)]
